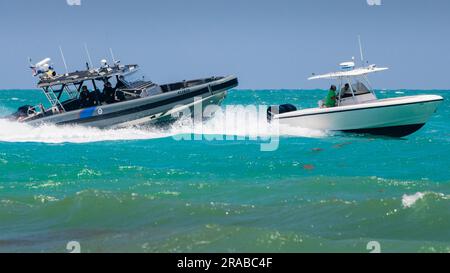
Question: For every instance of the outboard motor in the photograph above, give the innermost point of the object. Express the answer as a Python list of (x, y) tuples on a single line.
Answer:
[(284, 108), (22, 112)]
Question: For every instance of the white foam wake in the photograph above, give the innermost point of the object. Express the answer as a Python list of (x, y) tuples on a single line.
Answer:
[(4, 111), (19, 132), (241, 125)]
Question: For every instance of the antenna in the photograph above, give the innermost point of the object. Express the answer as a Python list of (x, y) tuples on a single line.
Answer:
[(112, 55), (361, 49), (64, 59), (88, 55)]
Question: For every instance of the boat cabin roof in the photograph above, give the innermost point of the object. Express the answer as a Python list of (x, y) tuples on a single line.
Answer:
[(87, 75), (350, 73)]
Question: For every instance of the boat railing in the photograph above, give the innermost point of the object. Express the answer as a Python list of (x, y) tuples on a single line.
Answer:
[(35, 110), (53, 99)]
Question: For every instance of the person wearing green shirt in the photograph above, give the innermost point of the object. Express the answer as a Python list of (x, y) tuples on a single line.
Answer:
[(330, 100)]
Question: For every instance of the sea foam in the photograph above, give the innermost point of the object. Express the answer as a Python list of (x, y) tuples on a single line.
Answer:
[(221, 126), (409, 200)]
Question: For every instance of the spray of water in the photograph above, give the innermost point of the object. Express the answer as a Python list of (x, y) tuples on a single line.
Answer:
[(226, 125)]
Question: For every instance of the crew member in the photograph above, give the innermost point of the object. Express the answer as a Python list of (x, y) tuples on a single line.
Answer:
[(109, 93), (330, 100), (346, 92), (95, 98), (84, 97)]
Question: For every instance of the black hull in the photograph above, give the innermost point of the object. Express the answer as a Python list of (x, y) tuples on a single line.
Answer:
[(393, 131)]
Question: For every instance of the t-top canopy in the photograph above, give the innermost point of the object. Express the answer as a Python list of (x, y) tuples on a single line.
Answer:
[(87, 75), (350, 73)]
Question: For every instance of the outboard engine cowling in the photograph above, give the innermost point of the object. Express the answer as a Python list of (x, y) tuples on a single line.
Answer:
[(22, 112), (284, 108)]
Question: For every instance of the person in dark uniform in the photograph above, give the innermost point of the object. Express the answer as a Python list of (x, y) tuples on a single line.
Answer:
[(95, 98), (109, 93), (84, 98)]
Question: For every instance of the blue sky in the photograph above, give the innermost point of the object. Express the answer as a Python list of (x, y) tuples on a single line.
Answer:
[(267, 44)]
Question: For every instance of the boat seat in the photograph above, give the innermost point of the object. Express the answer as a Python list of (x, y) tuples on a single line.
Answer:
[(71, 105)]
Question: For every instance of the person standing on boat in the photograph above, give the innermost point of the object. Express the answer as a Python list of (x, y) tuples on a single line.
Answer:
[(330, 100)]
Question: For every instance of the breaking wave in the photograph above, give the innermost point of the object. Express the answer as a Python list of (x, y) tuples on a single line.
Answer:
[(409, 201)]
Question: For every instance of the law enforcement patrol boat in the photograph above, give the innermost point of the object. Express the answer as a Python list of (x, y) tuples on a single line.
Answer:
[(358, 110), (136, 101)]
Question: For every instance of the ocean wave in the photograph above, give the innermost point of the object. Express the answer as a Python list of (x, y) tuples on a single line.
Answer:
[(320, 225), (409, 201)]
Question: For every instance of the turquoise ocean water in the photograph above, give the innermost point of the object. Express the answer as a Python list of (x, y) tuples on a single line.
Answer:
[(144, 190)]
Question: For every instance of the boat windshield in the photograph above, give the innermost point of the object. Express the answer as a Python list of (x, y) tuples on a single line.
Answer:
[(133, 78), (357, 87)]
